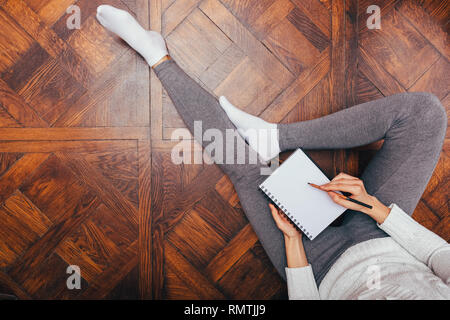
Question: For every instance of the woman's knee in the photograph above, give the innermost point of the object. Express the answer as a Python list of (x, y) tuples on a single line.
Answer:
[(434, 116), (426, 114)]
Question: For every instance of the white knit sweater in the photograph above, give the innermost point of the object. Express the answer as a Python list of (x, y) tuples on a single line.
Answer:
[(413, 263)]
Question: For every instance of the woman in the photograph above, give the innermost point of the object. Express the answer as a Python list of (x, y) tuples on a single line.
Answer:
[(377, 253)]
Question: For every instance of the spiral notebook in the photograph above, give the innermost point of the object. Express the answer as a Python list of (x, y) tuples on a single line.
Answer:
[(310, 209)]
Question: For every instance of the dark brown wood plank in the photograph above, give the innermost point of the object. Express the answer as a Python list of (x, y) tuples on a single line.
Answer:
[(15, 288), (281, 106), (157, 230), (195, 280), (17, 173), (302, 22), (431, 22), (248, 43), (107, 193), (67, 146), (73, 133), (43, 248), (225, 259), (18, 108), (102, 285), (145, 220)]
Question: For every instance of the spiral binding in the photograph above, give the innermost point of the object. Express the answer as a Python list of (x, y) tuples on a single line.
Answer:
[(291, 217)]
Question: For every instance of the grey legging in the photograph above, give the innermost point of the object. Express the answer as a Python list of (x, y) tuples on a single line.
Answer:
[(412, 125)]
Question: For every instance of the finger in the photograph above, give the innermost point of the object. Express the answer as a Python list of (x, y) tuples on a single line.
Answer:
[(344, 176), (338, 199), (275, 213), (354, 183), (340, 186), (278, 216), (272, 208), (351, 181), (345, 181), (283, 217)]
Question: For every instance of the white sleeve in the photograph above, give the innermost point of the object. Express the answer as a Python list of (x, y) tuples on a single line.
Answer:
[(422, 243), (301, 284)]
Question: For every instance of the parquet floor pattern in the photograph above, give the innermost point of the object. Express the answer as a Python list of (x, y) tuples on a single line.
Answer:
[(86, 176)]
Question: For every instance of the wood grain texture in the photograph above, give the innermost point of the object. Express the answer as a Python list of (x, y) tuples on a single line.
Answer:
[(408, 54), (55, 134), (86, 175), (250, 45), (145, 220), (18, 109), (70, 193)]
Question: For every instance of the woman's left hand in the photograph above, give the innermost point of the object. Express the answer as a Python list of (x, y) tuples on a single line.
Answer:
[(284, 224), (293, 243)]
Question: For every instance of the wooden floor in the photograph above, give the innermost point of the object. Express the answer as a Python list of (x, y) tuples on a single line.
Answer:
[(86, 176)]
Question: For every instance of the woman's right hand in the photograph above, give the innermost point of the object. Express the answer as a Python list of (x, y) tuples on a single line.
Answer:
[(355, 186)]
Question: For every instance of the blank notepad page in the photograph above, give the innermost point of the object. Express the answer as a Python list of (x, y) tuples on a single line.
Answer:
[(312, 210)]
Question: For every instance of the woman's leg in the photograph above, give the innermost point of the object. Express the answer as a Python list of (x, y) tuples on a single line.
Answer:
[(193, 103), (196, 105), (413, 127)]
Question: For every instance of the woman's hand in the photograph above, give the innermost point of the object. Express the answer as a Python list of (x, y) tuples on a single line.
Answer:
[(283, 223), (295, 252), (355, 186)]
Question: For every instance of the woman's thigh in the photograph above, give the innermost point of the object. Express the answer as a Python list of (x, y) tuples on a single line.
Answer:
[(399, 172)]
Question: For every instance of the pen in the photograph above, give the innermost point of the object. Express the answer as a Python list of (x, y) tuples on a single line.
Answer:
[(343, 197)]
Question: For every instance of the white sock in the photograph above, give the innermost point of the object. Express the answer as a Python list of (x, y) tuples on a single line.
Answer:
[(262, 136), (149, 44)]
